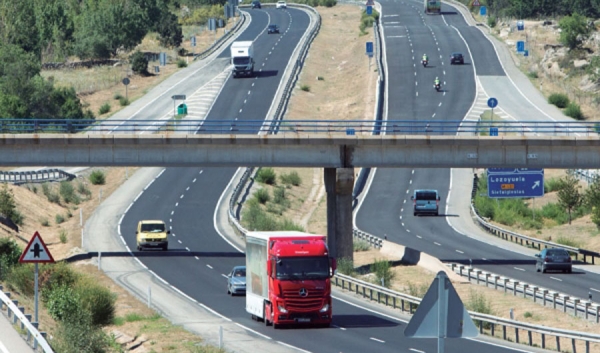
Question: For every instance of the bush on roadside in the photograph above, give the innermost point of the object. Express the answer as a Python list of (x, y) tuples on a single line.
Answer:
[(96, 299), (63, 303), (560, 100), (56, 275), (63, 236), (181, 63), (20, 279), (139, 63), (287, 224), (382, 270), (262, 196), (280, 198), (123, 101), (345, 266), (361, 245), (9, 256), (84, 190), (50, 194), (59, 219), (117, 96), (574, 111), (67, 191), (97, 177), (479, 303), (292, 178), (491, 21), (80, 336), (104, 108), (266, 176)]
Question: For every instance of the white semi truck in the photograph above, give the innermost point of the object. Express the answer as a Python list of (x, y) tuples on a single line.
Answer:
[(242, 58)]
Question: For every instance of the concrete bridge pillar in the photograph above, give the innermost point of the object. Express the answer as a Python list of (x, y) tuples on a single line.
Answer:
[(339, 183)]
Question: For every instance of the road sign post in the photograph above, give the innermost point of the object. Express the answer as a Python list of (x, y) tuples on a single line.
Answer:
[(515, 182), (369, 51), (36, 252), (492, 103)]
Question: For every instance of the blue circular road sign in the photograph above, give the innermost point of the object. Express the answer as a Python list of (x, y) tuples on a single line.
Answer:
[(492, 102)]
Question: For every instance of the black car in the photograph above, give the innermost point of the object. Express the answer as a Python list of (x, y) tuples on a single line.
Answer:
[(255, 4), (272, 29), (457, 58), (553, 259)]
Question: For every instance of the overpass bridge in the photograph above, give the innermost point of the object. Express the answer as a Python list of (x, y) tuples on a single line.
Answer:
[(338, 147)]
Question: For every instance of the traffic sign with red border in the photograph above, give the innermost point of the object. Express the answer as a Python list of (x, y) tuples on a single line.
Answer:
[(36, 251), (475, 3)]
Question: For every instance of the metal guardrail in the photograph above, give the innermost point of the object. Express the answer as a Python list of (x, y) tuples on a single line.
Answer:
[(223, 39), (17, 314), (35, 176), (487, 323), (576, 306), (348, 127), (525, 240)]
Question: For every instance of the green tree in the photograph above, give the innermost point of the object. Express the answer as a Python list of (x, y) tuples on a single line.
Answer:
[(18, 25), (8, 207), (569, 196), (54, 20), (139, 63), (574, 30), (592, 194), (169, 30)]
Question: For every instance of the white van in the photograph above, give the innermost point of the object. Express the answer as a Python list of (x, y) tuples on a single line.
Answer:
[(426, 202)]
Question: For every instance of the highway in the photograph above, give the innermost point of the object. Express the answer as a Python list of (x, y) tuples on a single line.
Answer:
[(390, 213), (199, 257)]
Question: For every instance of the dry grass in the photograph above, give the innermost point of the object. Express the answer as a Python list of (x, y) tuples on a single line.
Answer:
[(501, 303)]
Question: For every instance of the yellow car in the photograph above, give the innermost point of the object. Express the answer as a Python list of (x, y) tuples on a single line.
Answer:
[(152, 234)]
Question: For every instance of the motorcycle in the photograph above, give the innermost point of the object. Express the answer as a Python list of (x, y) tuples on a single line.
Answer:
[(437, 86), (424, 62)]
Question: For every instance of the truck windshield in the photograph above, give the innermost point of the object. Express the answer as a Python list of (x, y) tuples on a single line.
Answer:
[(244, 60), (153, 228), (314, 267)]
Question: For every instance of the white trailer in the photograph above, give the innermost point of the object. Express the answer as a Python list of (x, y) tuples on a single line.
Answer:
[(242, 58)]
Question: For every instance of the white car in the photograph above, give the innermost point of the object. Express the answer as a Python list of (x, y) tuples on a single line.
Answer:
[(281, 5)]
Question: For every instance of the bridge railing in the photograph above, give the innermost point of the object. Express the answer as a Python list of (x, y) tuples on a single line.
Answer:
[(346, 127)]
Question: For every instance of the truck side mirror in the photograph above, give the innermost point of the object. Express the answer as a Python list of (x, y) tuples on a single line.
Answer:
[(136, 232), (333, 266), (269, 268), (168, 232), (438, 198), (412, 198)]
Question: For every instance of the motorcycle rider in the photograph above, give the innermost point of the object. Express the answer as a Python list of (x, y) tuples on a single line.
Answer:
[(425, 58), (436, 83)]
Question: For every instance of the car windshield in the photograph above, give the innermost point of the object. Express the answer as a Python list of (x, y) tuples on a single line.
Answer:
[(426, 196), (272, 26), (239, 273), (556, 252), (457, 55), (243, 60), (153, 228), (303, 268)]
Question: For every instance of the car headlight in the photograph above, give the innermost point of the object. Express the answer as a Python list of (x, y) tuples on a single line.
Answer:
[(324, 308), (281, 308)]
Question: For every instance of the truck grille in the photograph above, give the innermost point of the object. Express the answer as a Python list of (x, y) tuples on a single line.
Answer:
[(312, 301)]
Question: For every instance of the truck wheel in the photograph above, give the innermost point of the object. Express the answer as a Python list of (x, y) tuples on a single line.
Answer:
[(267, 323)]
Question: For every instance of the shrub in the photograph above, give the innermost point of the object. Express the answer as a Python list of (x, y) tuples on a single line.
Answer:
[(477, 302), (50, 194), (491, 21), (83, 190), (280, 198), (567, 242), (361, 245), (17, 217), (181, 63), (254, 218), (97, 300), (305, 88), (20, 279), (595, 217), (345, 266), (574, 111), (117, 96), (97, 178), (63, 236), (383, 271), (139, 63), (54, 276), (82, 336), (329, 3), (551, 185), (418, 291), (555, 212), (292, 178), (63, 303), (266, 176), (288, 224), (559, 99), (123, 101), (44, 222), (104, 108), (9, 256), (262, 196), (67, 191), (59, 218), (532, 74), (527, 315), (320, 78)]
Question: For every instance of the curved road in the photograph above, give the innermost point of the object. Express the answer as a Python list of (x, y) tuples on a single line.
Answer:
[(390, 213), (198, 257)]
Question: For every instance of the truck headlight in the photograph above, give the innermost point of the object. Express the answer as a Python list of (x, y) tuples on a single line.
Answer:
[(281, 308), (324, 308)]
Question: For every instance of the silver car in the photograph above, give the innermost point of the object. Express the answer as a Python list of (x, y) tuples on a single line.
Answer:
[(553, 260), (236, 281)]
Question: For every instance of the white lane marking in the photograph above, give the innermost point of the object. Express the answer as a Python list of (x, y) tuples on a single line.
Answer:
[(484, 259), (196, 257), (519, 269), (179, 241), (420, 237), (187, 189), (433, 116), (249, 92), (224, 275), (436, 243), (200, 172), (176, 204), (376, 339), (240, 111), (290, 346), (460, 252), (402, 224), (595, 290), (407, 191), (408, 231), (209, 266), (439, 105), (404, 201), (3, 348), (172, 212), (557, 279), (416, 350), (188, 249), (255, 332), (413, 172), (193, 181), (410, 182), (181, 196)]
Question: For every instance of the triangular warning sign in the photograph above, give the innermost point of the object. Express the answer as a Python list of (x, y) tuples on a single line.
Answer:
[(475, 3), (370, 3), (36, 251), (441, 313)]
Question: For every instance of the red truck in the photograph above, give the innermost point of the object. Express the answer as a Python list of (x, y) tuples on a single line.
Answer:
[(288, 277)]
